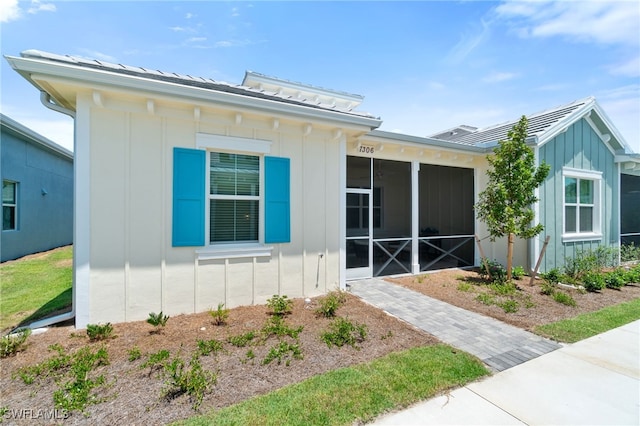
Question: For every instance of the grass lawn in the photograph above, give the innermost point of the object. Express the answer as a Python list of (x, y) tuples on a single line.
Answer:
[(587, 325), (35, 287), (363, 392)]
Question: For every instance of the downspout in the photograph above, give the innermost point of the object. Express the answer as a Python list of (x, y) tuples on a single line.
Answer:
[(45, 99)]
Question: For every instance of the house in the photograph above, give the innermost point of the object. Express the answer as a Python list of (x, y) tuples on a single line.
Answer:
[(192, 192), (37, 192)]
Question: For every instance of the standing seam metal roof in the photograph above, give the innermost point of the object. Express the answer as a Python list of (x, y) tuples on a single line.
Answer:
[(187, 80)]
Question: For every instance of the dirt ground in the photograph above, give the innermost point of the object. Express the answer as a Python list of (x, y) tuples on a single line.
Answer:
[(133, 395)]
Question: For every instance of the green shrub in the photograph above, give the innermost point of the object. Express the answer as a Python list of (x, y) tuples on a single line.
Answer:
[(206, 347), (99, 331), (547, 288), (503, 288), (509, 306), (280, 305), (192, 380), (134, 354), (156, 361), (158, 320), (276, 326), (464, 286), (632, 275), (564, 298), (486, 299), (629, 253), (13, 343), (615, 279), (343, 332), (220, 315), (330, 304), (552, 276), (496, 271), (588, 261), (593, 281), (518, 272), (281, 351), (242, 340)]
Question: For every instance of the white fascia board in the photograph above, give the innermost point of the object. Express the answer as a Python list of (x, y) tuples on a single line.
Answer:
[(417, 141), (562, 125), (30, 68)]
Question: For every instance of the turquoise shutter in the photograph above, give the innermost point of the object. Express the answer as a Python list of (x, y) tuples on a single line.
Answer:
[(277, 209), (189, 168)]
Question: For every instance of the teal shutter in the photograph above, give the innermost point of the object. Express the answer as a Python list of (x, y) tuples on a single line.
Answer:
[(277, 209), (189, 168)]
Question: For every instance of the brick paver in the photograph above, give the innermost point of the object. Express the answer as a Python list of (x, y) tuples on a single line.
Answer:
[(497, 344)]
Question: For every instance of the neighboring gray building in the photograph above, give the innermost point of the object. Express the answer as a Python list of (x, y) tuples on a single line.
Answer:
[(37, 192)]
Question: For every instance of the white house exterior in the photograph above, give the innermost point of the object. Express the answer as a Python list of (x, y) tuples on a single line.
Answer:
[(191, 192)]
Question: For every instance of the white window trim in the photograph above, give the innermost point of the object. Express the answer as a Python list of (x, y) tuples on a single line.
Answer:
[(14, 205), (233, 145), (596, 177)]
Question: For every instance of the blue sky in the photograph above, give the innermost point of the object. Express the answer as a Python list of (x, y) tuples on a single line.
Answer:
[(422, 66)]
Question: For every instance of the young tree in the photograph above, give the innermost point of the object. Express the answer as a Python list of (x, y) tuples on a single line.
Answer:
[(506, 204)]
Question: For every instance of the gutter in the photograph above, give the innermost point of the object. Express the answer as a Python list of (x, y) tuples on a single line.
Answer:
[(47, 321), (46, 100)]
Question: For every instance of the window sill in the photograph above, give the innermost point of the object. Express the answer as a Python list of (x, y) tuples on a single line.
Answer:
[(567, 238), (234, 251)]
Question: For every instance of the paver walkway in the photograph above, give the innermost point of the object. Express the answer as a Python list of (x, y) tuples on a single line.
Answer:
[(497, 344)]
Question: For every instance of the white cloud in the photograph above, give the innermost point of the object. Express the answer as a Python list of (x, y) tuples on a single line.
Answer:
[(498, 77), (622, 105), (605, 22), (189, 15), (9, 11), (468, 42), (235, 11), (37, 6), (196, 39)]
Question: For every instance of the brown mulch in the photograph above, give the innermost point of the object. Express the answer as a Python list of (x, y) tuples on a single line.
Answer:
[(133, 395), (445, 285)]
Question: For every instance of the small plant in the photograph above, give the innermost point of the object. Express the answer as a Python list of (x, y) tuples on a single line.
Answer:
[(99, 331), (242, 340), (421, 278), (564, 298), (220, 315), (158, 321), (206, 347), (547, 288), (330, 304), (503, 288), (518, 272), (509, 306), (593, 281), (615, 279), (629, 253), (486, 299), (632, 275), (13, 343), (343, 332), (250, 355), (280, 305), (281, 351), (156, 361), (276, 326), (552, 276), (464, 286), (496, 271), (134, 354), (192, 380)]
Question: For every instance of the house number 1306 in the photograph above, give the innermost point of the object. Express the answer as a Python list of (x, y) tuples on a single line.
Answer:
[(366, 149)]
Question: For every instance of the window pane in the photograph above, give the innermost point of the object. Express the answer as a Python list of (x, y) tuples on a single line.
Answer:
[(586, 191), (8, 218), (570, 219), (570, 190), (234, 174), (233, 220), (586, 219), (8, 192)]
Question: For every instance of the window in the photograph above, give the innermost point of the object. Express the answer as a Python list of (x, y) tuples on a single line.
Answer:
[(581, 204), (234, 197), (9, 205)]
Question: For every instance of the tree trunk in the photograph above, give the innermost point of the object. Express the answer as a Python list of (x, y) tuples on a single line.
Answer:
[(510, 257)]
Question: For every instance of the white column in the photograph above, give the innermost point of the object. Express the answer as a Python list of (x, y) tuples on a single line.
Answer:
[(343, 214), (415, 218)]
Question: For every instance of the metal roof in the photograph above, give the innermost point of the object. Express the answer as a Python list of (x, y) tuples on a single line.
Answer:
[(191, 81), (539, 123)]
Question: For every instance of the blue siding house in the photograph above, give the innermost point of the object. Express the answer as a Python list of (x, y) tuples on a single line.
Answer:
[(37, 192)]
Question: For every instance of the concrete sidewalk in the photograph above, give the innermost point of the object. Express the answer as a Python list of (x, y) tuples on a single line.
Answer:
[(592, 382)]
